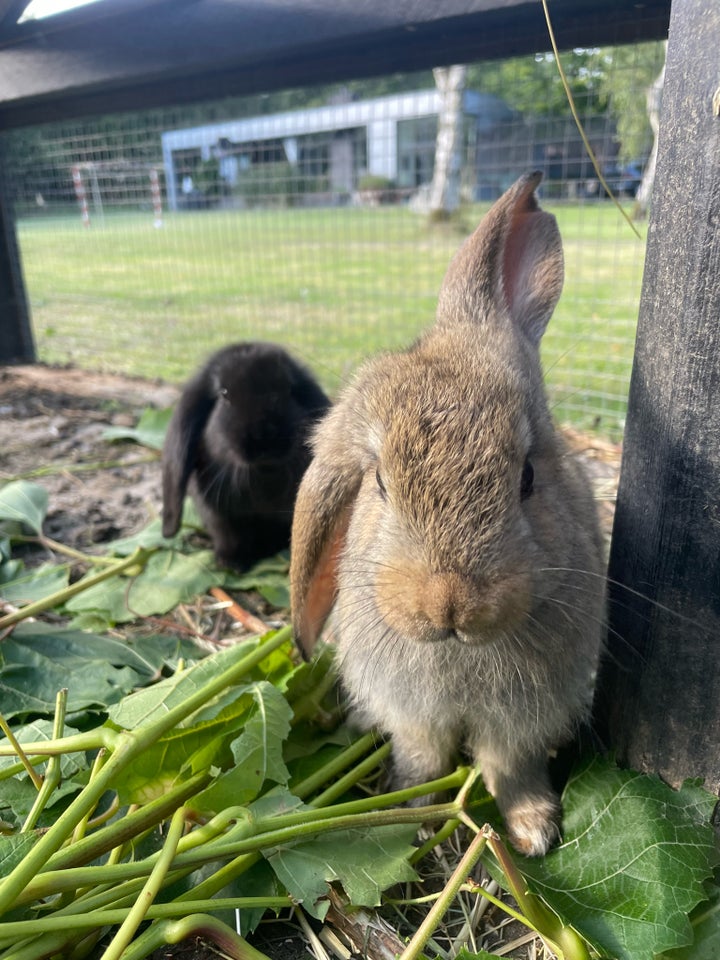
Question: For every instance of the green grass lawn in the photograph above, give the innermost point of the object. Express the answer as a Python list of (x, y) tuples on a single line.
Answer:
[(334, 285)]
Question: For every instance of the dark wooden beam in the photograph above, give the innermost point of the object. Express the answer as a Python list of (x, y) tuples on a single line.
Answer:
[(16, 340), (110, 57), (10, 12), (659, 697)]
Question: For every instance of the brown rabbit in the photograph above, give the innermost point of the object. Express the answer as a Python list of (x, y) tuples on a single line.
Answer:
[(446, 520)]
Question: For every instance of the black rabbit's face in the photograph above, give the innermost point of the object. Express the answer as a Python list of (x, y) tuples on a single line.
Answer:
[(255, 412)]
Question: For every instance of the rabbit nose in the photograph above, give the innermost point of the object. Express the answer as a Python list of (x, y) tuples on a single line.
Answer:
[(455, 604)]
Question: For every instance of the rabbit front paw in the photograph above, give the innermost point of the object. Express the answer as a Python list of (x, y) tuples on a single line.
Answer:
[(533, 825)]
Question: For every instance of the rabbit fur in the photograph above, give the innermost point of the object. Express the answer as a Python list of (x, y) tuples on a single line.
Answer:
[(444, 518), (238, 440)]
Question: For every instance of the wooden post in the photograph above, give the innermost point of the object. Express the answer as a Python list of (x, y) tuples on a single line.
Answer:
[(16, 340), (659, 691)]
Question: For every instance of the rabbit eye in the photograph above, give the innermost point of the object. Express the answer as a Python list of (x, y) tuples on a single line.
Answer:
[(224, 393), (381, 485), (527, 479)]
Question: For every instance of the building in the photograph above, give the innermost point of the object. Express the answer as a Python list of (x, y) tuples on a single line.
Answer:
[(324, 151)]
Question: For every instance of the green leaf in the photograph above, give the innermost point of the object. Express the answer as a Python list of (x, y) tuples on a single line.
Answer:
[(5, 550), (200, 744), (705, 922), (36, 731), (151, 535), (258, 881), (14, 849), (24, 502), (169, 578), (151, 702), (276, 802), (269, 577), (365, 863), (37, 660), (257, 752), (149, 431), (148, 538), (35, 584), (242, 729), (18, 793), (634, 861), (9, 569)]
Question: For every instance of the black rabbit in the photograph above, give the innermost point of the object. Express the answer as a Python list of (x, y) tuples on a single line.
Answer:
[(238, 441)]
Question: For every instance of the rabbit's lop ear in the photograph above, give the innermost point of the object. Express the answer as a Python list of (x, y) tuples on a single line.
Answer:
[(180, 448), (512, 263), (323, 508), (306, 392)]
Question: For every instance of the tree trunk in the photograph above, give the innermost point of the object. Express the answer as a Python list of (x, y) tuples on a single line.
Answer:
[(16, 338), (653, 98), (445, 187)]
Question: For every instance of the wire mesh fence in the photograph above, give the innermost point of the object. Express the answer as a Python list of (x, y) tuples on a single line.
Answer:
[(148, 240)]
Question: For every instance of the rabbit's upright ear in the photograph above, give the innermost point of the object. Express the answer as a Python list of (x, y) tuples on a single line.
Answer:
[(323, 508), (181, 444), (513, 262)]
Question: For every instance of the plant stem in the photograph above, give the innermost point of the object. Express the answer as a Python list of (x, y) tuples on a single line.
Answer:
[(47, 945), (237, 866), (295, 828), (81, 467), (562, 939), (129, 745), (132, 825), (244, 860), (138, 557), (18, 751), (199, 924), (440, 907), (81, 829), (77, 742), (14, 930), (394, 799), (353, 776), (446, 831), (497, 902), (93, 560), (151, 889), (7, 773), (330, 770), (51, 780)]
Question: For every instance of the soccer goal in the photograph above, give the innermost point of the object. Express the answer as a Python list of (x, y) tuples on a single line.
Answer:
[(104, 185)]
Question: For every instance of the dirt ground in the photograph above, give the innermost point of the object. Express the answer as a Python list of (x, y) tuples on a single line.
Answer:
[(51, 430)]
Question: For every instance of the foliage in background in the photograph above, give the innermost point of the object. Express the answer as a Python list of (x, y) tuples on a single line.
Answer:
[(531, 84), (626, 97)]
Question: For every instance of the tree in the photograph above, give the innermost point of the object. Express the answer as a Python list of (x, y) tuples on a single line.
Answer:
[(531, 85), (627, 75), (653, 99), (445, 186)]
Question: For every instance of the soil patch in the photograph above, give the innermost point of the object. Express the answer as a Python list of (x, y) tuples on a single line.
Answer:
[(52, 422)]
